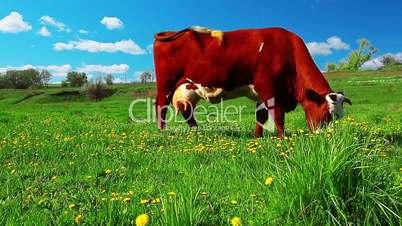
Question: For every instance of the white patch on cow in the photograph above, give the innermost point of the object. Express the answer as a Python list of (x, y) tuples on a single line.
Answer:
[(261, 46), (216, 95), (184, 98), (335, 107)]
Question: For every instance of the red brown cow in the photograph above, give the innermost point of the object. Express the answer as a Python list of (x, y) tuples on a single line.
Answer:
[(274, 62)]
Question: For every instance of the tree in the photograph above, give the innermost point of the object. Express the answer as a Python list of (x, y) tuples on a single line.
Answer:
[(145, 77), (4, 82), (389, 60), (109, 79), (359, 56), (76, 79), (44, 77), (22, 79)]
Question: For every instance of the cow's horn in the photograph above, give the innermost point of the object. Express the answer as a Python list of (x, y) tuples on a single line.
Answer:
[(329, 99), (347, 100)]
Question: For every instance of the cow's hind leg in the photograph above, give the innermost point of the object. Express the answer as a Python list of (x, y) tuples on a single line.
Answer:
[(161, 107), (188, 115)]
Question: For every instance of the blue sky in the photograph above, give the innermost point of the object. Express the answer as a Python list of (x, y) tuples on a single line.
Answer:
[(115, 34)]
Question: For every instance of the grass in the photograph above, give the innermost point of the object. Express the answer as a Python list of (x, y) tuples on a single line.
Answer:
[(66, 160)]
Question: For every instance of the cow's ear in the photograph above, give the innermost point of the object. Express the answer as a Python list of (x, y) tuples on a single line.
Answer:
[(313, 96)]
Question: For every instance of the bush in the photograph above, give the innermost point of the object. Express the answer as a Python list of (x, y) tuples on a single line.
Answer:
[(331, 67), (97, 90)]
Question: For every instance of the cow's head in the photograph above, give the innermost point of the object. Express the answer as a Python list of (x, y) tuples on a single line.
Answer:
[(335, 104), (322, 109)]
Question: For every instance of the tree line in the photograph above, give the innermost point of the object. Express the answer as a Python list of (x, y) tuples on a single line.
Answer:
[(23, 79)]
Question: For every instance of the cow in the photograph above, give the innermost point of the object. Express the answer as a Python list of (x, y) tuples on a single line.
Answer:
[(272, 63)]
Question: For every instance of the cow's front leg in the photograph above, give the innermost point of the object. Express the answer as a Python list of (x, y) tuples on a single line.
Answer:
[(261, 114), (278, 115)]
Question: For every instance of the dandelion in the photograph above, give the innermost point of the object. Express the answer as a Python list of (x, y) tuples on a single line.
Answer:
[(234, 202), (269, 181), (156, 200), (71, 206), (144, 201), (235, 221), (108, 171), (78, 219), (142, 220), (126, 199)]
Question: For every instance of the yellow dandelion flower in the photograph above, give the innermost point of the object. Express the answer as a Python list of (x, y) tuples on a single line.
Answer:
[(156, 200), (269, 181), (234, 202), (71, 206), (126, 199), (108, 171), (78, 219), (204, 193), (142, 220), (171, 193), (144, 201), (235, 221)]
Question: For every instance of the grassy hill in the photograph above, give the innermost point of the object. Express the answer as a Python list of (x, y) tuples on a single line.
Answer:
[(69, 160)]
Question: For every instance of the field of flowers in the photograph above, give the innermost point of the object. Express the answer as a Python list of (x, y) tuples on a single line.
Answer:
[(72, 161)]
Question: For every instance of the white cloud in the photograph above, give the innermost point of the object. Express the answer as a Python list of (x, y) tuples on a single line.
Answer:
[(150, 48), (14, 23), (105, 69), (55, 70), (44, 32), (112, 22), (82, 31), (325, 48), (47, 20), (376, 62), (125, 46)]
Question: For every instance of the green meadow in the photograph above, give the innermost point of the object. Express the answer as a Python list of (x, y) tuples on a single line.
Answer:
[(66, 160)]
